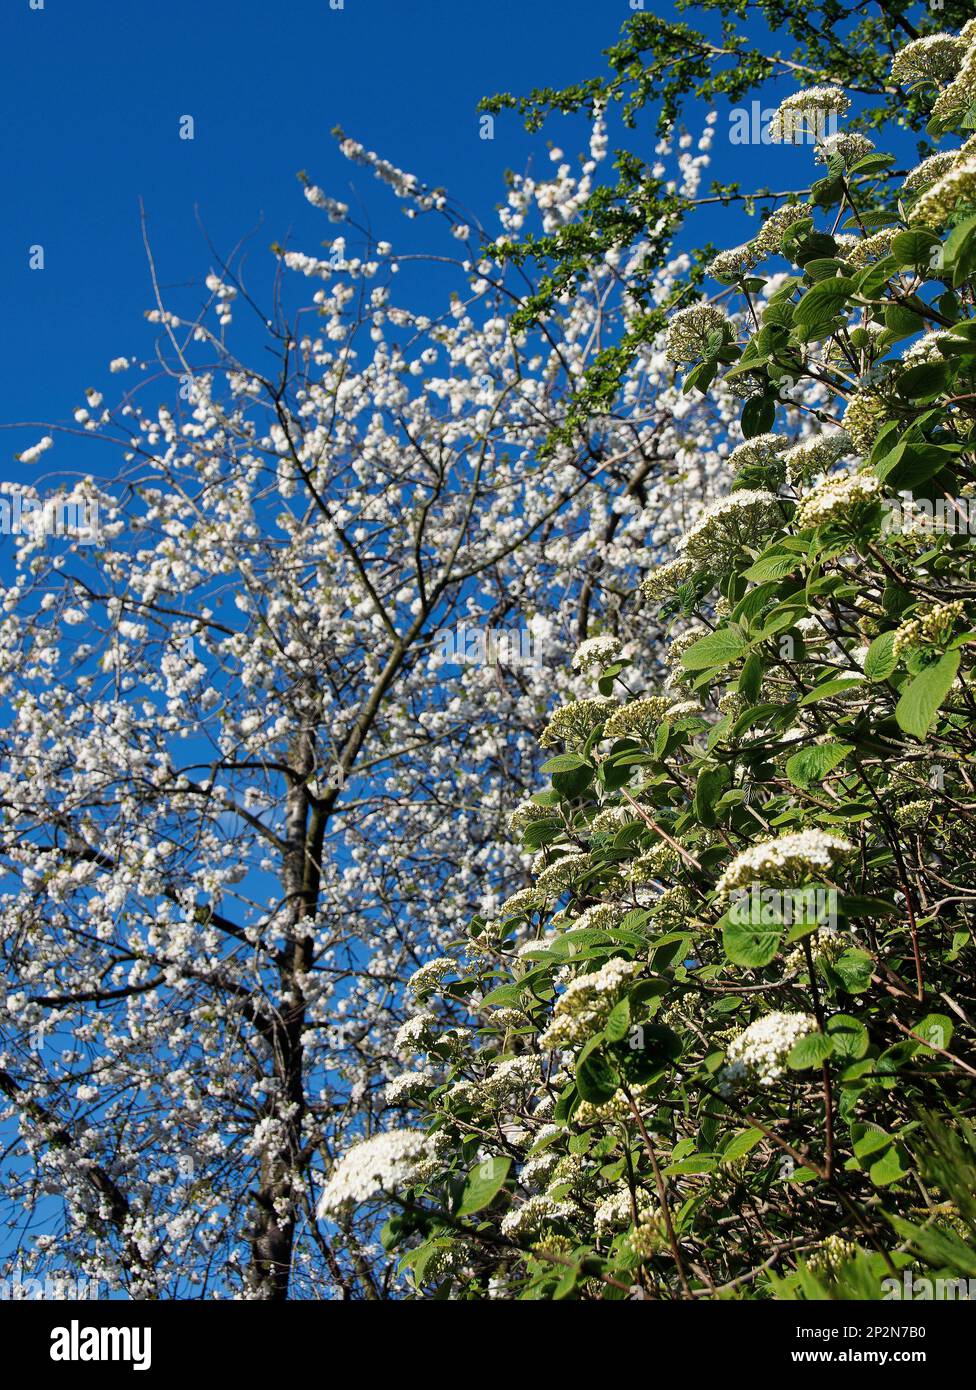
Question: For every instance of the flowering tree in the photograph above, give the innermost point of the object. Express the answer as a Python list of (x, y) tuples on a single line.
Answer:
[(247, 785), (706, 1050)]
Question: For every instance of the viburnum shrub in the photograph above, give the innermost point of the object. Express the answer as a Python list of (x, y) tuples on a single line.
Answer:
[(722, 1043)]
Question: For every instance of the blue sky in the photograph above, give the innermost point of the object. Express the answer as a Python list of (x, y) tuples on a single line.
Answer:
[(91, 95)]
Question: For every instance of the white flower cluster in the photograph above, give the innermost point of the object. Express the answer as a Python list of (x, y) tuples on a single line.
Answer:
[(867, 249), (953, 192), (408, 1086), (833, 499), (734, 263), (931, 627), (959, 94), (664, 580), (816, 455), (528, 813), (926, 349), (599, 917), (431, 974), (640, 719), (827, 1260), (32, 454), (929, 171), (525, 900), (727, 525), (807, 113), (572, 724), (786, 859), (532, 1213), (767, 242), (415, 1033), (611, 819), (597, 651), (615, 1211), (760, 1051), (850, 146), (762, 451), (690, 329), (867, 411), (936, 57), (557, 877), (584, 1005), (380, 1164)]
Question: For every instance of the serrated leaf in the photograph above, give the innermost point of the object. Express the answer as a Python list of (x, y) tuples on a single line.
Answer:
[(596, 1079), (740, 1144), (811, 1051), (812, 764), (826, 689), (750, 946), (717, 649), (880, 661), (483, 1183), (618, 1024), (848, 1036), (920, 702)]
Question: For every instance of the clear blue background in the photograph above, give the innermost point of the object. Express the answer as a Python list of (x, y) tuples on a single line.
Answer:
[(91, 94)]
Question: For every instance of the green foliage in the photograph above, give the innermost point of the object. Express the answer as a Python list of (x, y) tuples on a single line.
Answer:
[(709, 1043)]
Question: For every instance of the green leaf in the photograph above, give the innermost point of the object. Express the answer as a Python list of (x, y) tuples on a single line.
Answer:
[(880, 661), (774, 564), (924, 382), (914, 248), (483, 1183), (811, 1051), (920, 702), (890, 1167), (750, 679), (823, 303), (936, 1029), (717, 649), (811, 765), (740, 1144), (828, 688), (859, 905), (902, 321), (848, 1036), (869, 1139), (910, 464), (597, 1079), (750, 946), (700, 377), (564, 762), (712, 781), (870, 163), (618, 1024), (758, 415), (702, 1163)]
